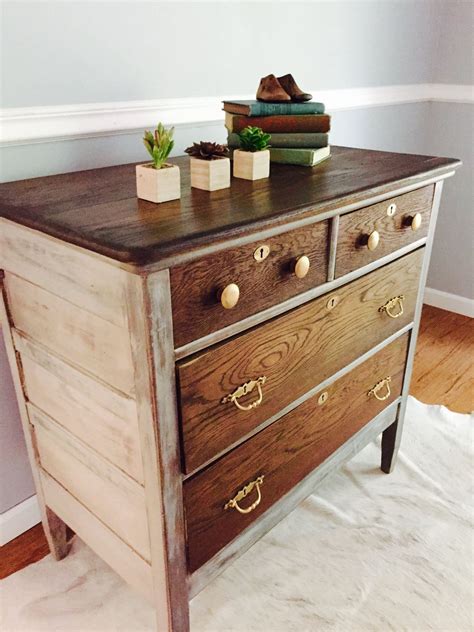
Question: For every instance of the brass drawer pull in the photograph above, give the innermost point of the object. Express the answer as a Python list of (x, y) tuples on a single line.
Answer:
[(385, 383), (245, 491), (244, 389), (395, 303)]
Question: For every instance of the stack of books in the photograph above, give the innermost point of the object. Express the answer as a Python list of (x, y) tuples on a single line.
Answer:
[(299, 131)]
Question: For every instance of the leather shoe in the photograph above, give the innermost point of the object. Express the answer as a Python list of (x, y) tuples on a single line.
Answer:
[(290, 86), (271, 90)]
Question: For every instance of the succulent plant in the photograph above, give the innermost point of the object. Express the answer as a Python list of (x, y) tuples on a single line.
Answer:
[(159, 144), (207, 151), (253, 139)]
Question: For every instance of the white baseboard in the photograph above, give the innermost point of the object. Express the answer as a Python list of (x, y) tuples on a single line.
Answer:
[(450, 302), (19, 519), (24, 126)]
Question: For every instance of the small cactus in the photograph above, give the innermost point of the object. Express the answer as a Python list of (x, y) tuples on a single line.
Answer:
[(159, 144), (253, 139)]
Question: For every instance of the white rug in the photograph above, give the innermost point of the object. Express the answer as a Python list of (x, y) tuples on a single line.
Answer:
[(367, 552)]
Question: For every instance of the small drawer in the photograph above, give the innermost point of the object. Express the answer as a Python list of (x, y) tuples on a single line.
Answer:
[(228, 390), (229, 495), (265, 273), (373, 232)]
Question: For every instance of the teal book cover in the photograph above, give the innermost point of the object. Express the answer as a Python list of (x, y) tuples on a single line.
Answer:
[(261, 108)]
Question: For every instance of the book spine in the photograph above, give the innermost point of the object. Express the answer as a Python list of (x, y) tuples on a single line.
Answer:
[(280, 124), (311, 141), (269, 109), (304, 157)]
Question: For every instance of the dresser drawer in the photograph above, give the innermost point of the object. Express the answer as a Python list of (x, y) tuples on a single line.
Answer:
[(285, 452), (196, 287), (291, 354), (373, 232)]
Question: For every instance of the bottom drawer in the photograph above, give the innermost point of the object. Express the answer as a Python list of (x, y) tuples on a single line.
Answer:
[(228, 496)]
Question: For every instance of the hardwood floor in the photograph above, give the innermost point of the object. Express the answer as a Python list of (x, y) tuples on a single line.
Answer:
[(444, 369), (443, 374)]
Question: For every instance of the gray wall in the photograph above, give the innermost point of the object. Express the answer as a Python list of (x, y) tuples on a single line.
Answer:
[(56, 53), (85, 52)]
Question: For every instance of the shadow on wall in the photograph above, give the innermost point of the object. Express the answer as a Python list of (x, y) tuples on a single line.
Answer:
[(16, 481)]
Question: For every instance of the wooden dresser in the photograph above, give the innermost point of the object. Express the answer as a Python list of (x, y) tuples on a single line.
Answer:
[(188, 372)]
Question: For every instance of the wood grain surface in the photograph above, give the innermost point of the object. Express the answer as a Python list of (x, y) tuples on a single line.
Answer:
[(443, 372), (295, 352), (195, 286), (113, 497), (354, 228), (284, 453), (434, 381), (104, 542), (98, 415), (81, 277), (98, 209), (84, 339)]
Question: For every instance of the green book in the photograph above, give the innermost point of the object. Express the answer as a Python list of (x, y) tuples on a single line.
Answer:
[(261, 108), (312, 140), (304, 157)]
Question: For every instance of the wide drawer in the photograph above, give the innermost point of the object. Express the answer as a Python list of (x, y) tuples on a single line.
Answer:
[(263, 271), (378, 230), (288, 356), (271, 463)]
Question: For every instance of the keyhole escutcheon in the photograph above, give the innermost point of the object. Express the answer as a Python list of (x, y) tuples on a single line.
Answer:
[(261, 253)]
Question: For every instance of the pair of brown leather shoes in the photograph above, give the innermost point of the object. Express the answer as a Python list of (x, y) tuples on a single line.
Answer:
[(280, 89)]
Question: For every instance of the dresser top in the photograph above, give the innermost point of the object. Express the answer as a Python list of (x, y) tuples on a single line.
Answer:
[(98, 209)]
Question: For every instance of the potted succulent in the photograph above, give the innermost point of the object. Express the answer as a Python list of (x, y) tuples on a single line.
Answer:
[(252, 160), (158, 181), (210, 166)]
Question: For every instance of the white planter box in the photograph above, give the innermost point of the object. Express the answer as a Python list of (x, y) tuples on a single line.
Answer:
[(210, 175), (158, 185), (251, 165)]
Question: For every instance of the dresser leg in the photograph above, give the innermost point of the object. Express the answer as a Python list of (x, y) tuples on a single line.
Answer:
[(55, 532), (389, 454)]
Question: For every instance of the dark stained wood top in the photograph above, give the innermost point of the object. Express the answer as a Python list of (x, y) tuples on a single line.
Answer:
[(98, 209)]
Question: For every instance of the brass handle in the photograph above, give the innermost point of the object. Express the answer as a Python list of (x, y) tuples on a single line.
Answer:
[(414, 221), (373, 240), (395, 303), (229, 296), (302, 266), (244, 390), (385, 383), (245, 491)]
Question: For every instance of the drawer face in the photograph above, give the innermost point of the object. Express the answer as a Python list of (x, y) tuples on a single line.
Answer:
[(394, 231), (195, 286), (294, 353), (285, 452)]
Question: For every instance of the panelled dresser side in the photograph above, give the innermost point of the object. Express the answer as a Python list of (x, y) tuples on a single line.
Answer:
[(188, 372)]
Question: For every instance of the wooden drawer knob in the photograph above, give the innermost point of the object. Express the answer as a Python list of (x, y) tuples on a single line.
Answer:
[(414, 221), (230, 296), (302, 266), (373, 240)]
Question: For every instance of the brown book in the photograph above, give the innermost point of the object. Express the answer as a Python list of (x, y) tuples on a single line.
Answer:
[(281, 123)]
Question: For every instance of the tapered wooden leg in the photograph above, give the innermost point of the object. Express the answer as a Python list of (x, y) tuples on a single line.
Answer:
[(54, 527), (56, 536), (389, 449)]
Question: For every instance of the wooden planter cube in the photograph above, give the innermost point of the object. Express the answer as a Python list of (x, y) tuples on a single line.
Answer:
[(210, 175), (158, 185), (251, 165)]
